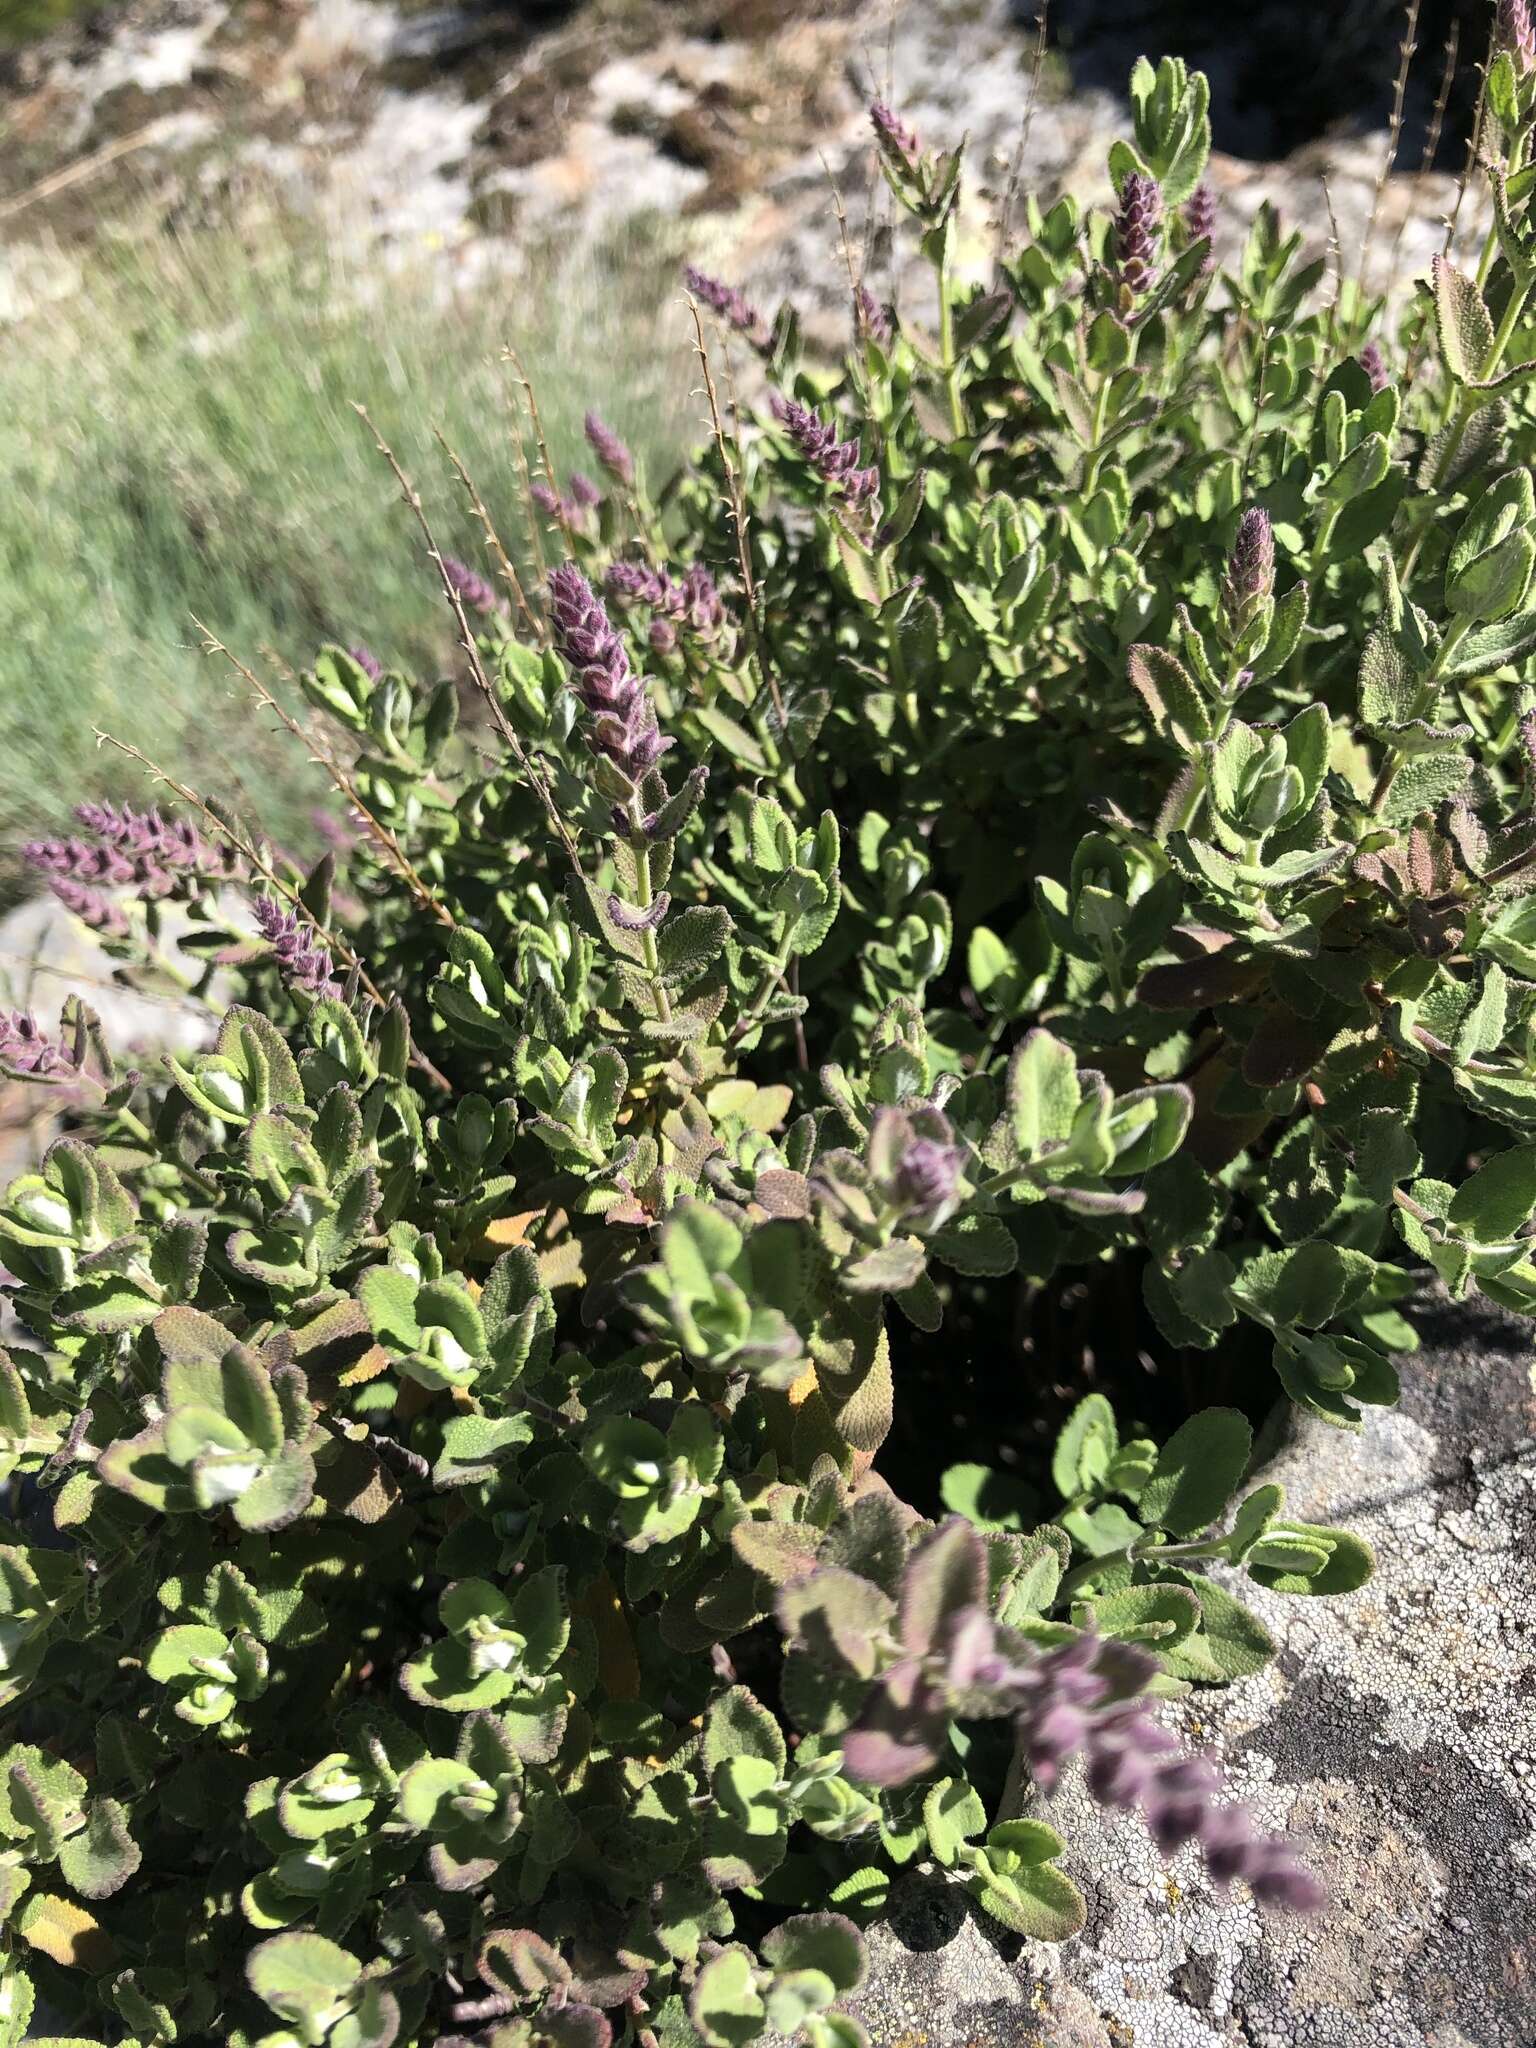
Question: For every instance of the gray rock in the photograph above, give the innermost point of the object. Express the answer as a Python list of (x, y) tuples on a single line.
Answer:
[(47, 955), (1395, 1736)]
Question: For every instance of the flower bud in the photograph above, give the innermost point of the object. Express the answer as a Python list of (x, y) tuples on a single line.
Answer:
[(1250, 577), (1136, 233)]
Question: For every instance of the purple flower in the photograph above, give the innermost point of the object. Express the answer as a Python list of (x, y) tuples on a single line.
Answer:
[(892, 133), (701, 601), (836, 462), (171, 842), (609, 449), (90, 906), (367, 661), (1136, 232), (1250, 577), (694, 602), (1200, 222), (140, 850), (1515, 33), (1075, 1701), (1085, 1697), (639, 583), (1374, 364), (572, 509), (301, 959), (927, 1179), (470, 588), (724, 300), (27, 1049), (877, 320), (624, 724)]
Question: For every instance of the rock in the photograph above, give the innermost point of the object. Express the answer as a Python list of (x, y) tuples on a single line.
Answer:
[(943, 1976), (46, 955), (485, 133), (1394, 1736)]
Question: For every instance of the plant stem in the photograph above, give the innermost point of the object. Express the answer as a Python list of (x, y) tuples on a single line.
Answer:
[(899, 675), (950, 368), (646, 895)]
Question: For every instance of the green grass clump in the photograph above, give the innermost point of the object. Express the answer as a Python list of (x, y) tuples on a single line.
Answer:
[(179, 438), (22, 21)]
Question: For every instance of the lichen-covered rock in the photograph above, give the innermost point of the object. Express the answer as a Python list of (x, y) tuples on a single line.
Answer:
[(1395, 1735)]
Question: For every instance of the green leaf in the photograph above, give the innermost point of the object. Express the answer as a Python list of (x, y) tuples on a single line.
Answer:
[(1087, 1443), (1158, 1615), (988, 1499), (1231, 1641), (1462, 324), (952, 1814), (726, 2006), (827, 1942), (1043, 1093), (1350, 1563), (1037, 1900), (1491, 1206), (1173, 701), (691, 939), (100, 1859), (306, 1980), (737, 1725), (1197, 1471)]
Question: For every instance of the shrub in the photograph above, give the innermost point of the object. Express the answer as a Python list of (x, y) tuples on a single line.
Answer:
[(1052, 798)]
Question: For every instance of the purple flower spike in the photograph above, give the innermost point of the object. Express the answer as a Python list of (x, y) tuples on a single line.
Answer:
[(638, 583), (1136, 231), (609, 449), (26, 1049), (90, 906), (835, 462), (584, 493), (701, 601), (624, 724), (877, 320), (471, 589), (302, 961), (1200, 223), (1250, 577), (1516, 35), (546, 499), (892, 133), (1082, 1699), (1374, 364), (731, 306), (144, 851), (927, 1178), (367, 661)]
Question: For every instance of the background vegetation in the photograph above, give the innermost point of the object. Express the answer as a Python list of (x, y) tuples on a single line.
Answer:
[(179, 438)]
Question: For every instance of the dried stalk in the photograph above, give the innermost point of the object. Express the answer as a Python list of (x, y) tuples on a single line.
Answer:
[(1394, 138), (394, 854), (1016, 166), (512, 356), (1431, 140), (493, 538), (471, 647), (737, 506)]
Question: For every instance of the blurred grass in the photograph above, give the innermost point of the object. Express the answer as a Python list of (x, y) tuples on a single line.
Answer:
[(178, 437), (21, 20)]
